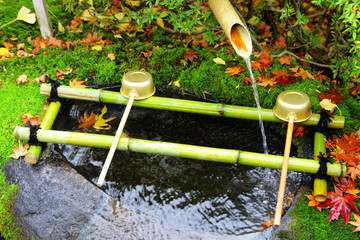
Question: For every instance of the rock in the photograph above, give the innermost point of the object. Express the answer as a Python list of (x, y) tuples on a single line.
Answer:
[(55, 202)]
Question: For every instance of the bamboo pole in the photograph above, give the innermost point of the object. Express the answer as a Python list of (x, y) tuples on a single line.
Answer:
[(115, 143), (320, 185), (180, 150), (181, 105), (284, 169), (32, 157)]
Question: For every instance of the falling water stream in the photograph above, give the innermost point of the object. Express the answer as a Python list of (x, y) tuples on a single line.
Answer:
[(256, 96)]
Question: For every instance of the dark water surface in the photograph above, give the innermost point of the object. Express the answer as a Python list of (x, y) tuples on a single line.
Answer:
[(202, 196)]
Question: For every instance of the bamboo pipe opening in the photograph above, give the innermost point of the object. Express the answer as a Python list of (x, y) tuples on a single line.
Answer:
[(233, 26), (239, 36)]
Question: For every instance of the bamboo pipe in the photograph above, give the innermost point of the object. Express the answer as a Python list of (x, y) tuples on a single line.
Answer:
[(233, 27), (285, 164), (320, 185), (180, 150), (116, 140), (181, 105), (32, 157)]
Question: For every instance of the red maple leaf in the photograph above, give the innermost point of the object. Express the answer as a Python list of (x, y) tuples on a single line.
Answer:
[(283, 78), (280, 42), (319, 76), (265, 80), (339, 204), (345, 149), (256, 65), (190, 55), (265, 59), (333, 95), (248, 80), (354, 172), (347, 185), (299, 130)]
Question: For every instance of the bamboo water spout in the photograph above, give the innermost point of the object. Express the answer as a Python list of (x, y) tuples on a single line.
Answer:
[(233, 27)]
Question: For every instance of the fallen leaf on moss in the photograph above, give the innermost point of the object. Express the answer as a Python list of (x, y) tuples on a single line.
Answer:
[(19, 151), (25, 15), (30, 120), (356, 223), (8, 45), (328, 105), (285, 60), (20, 46), (219, 61), (60, 74), (234, 70), (97, 48), (147, 54), (339, 204), (21, 79), (111, 56), (347, 185), (76, 83), (41, 78), (354, 172), (313, 202), (300, 72), (190, 56)]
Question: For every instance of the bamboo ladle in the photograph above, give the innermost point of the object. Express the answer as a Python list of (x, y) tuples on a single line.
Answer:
[(136, 85), (291, 106)]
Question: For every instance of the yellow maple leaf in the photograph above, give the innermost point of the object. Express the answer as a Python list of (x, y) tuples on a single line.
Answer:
[(328, 105), (313, 202), (234, 70), (100, 122), (25, 15), (76, 83), (300, 72), (219, 61), (97, 48), (356, 223)]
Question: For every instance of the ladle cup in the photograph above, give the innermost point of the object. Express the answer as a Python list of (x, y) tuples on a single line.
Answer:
[(136, 85), (291, 106)]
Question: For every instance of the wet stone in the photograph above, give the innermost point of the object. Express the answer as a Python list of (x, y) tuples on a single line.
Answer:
[(55, 202)]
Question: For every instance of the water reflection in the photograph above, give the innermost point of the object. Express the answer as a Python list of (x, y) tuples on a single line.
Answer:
[(202, 196)]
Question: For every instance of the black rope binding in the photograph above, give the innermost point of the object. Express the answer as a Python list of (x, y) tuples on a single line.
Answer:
[(33, 140), (322, 172), (325, 119), (53, 93)]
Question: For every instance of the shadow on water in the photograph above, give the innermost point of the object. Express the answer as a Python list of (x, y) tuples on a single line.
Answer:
[(207, 197)]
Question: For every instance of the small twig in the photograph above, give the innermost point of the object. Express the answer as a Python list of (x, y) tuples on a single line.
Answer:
[(272, 7), (302, 59), (318, 14)]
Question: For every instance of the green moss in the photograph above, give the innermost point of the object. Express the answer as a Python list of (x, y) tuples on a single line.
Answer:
[(309, 223)]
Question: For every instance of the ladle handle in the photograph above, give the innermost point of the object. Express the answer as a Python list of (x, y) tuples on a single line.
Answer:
[(284, 169), (116, 140)]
